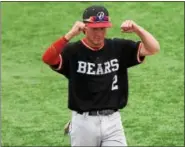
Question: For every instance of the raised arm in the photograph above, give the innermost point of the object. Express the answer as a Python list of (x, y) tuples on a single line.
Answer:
[(52, 56), (149, 44)]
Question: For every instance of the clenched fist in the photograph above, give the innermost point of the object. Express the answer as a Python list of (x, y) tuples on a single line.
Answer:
[(129, 26), (77, 28)]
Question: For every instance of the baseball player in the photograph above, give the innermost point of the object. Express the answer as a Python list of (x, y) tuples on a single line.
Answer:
[(96, 69)]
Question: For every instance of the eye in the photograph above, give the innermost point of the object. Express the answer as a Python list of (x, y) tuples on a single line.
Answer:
[(94, 29), (100, 29)]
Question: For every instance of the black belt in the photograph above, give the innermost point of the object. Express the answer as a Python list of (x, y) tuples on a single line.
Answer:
[(100, 112)]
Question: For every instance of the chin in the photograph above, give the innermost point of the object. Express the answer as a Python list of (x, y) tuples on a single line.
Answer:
[(98, 43)]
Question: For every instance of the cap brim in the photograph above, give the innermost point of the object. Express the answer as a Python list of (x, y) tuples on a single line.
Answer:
[(99, 25)]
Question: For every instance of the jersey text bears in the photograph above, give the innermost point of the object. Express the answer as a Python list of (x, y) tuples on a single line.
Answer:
[(98, 69)]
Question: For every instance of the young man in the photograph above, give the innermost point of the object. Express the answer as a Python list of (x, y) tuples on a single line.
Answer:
[(96, 68)]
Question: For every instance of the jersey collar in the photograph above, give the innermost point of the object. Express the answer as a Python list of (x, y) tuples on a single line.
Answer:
[(84, 41)]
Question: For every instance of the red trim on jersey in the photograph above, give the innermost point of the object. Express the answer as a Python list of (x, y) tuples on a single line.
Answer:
[(51, 55), (60, 63), (138, 53), (85, 42)]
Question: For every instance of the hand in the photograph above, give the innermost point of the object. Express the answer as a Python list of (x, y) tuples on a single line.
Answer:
[(67, 127), (77, 28), (129, 26)]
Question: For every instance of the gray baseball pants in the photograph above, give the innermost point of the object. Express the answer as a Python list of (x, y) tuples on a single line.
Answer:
[(99, 131)]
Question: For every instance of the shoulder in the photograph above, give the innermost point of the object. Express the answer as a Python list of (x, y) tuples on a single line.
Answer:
[(118, 42), (72, 47), (124, 42)]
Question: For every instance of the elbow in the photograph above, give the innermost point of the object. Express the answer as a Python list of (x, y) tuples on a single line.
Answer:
[(156, 48), (44, 58), (51, 60)]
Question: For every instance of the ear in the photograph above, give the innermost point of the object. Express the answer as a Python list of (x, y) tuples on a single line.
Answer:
[(84, 30)]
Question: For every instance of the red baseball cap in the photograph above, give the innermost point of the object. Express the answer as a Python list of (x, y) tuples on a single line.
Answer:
[(97, 17)]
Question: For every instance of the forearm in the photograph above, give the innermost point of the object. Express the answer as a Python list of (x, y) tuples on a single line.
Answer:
[(150, 43), (52, 55)]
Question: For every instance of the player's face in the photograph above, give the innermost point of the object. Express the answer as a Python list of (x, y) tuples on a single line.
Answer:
[(95, 36)]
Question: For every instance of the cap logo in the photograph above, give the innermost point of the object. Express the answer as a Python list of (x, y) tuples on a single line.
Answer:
[(100, 15)]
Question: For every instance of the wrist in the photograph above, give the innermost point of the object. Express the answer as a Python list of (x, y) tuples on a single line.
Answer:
[(69, 36), (138, 30)]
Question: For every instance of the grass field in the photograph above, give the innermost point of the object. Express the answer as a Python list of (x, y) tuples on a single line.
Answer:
[(34, 98)]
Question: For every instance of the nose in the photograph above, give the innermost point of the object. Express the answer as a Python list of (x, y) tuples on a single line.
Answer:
[(99, 31)]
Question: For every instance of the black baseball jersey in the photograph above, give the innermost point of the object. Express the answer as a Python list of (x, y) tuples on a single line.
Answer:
[(98, 79)]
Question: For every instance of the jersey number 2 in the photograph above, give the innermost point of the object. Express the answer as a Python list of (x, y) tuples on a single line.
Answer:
[(114, 83)]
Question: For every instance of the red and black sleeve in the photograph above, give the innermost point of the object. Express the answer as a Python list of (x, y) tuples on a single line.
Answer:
[(54, 56)]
